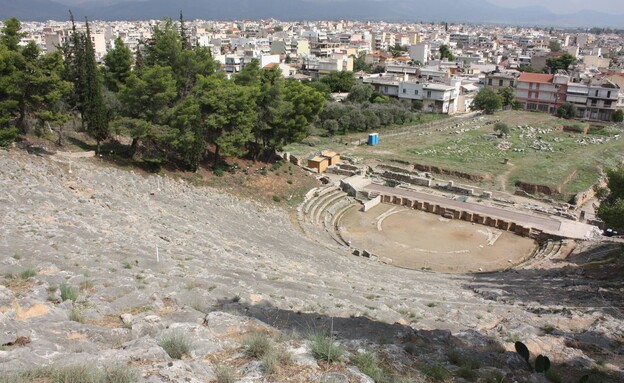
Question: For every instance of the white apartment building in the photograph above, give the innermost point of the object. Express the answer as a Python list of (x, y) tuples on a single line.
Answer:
[(439, 98), (420, 52)]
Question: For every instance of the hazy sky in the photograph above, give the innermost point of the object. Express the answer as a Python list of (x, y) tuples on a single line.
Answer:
[(558, 6), (567, 6)]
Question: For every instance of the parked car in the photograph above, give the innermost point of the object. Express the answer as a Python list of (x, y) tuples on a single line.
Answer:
[(610, 232)]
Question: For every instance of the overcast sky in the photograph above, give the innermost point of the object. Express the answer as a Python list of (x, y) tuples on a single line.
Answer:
[(558, 6), (567, 6)]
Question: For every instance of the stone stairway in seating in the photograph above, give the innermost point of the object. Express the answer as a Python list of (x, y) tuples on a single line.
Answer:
[(318, 214), (548, 250)]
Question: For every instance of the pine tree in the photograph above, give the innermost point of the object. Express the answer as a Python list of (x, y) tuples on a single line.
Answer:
[(11, 34), (118, 63)]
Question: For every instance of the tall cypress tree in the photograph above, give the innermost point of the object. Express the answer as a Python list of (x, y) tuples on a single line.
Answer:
[(75, 67), (95, 114), (184, 36)]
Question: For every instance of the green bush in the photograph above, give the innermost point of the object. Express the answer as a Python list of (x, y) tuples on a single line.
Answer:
[(548, 328), (369, 365), (467, 373), (175, 344), (75, 314), (87, 284), (218, 172), (257, 344), (436, 372), (554, 376), (272, 359), (68, 293), (225, 374), (277, 198), (324, 348), (28, 273), (76, 374), (8, 136)]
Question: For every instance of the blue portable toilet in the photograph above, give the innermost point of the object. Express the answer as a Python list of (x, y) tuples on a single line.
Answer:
[(373, 139)]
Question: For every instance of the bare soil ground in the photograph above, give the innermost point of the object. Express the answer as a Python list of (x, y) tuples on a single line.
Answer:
[(420, 240)]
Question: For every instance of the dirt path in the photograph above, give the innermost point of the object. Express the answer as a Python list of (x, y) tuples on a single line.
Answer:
[(501, 179)]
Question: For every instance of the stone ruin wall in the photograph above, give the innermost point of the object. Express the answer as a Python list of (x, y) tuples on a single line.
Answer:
[(465, 216), (581, 198), (452, 173), (538, 189)]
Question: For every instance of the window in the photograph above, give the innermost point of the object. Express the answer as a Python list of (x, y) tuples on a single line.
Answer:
[(511, 83), (428, 94), (500, 82), (607, 104), (543, 107), (489, 81), (404, 90), (385, 89), (608, 94), (416, 91), (596, 92), (594, 103)]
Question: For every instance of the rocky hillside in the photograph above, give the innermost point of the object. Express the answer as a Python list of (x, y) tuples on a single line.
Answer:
[(108, 268)]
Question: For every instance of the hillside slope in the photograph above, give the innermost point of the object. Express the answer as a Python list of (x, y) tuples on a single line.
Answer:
[(176, 256)]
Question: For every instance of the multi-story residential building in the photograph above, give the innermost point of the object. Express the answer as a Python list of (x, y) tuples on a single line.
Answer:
[(317, 68), (501, 79), (420, 52), (543, 92), (439, 98), (595, 99), (436, 97), (385, 84)]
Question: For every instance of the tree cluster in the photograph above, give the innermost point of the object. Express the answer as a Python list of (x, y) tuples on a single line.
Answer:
[(611, 209), (339, 81), (360, 64), (567, 111), (530, 69), (168, 96), (360, 115), (445, 53), (562, 62), (487, 100), (32, 88)]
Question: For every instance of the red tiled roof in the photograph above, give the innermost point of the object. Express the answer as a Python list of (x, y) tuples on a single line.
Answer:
[(536, 77), (271, 65)]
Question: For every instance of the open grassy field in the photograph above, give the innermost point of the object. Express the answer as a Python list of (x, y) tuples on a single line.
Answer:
[(538, 151)]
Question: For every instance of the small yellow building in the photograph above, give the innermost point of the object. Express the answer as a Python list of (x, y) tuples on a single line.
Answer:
[(332, 156), (319, 163)]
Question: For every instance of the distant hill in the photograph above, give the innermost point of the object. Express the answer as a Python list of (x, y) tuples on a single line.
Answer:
[(34, 10), (471, 11)]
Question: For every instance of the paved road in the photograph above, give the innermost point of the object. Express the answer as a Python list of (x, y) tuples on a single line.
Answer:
[(550, 225)]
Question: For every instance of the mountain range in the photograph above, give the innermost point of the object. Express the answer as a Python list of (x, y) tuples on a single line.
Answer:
[(469, 11)]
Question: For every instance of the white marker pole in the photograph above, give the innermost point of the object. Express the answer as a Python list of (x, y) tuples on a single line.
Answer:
[(157, 255), (70, 171)]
